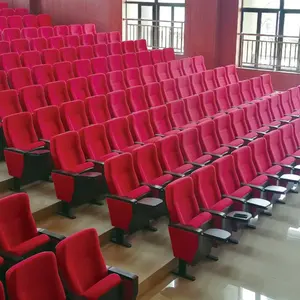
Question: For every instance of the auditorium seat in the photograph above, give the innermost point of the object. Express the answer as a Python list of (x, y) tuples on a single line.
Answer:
[(209, 104), (160, 121), (117, 104), (7, 11), (209, 80), (78, 88), (130, 60), (76, 29), (246, 91), (114, 37), (157, 56), (188, 66), (89, 28), (38, 44), (30, 21), (267, 84), (97, 109), (61, 30), (44, 20), (191, 148), (295, 98), (287, 105), (29, 33), (19, 77), (3, 22), (9, 103), (63, 70), (265, 115), (73, 115), (32, 97), (232, 75), (10, 61), (257, 88), (48, 123), (101, 38), (85, 52), (140, 45), (98, 281), (25, 157), (184, 86), (72, 41), (74, 180), (50, 56), (56, 42), (235, 95), (148, 74), (197, 83), (9, 34), (132, 77), (82, 68), (116, 81), (169, 54), (15, 22), (98, 84), (296, 126), (42, 74), (3, 81), (290, 144), (87, 39), (175, 68), (199, 64), (144, 58), (223, 100), (194, 108), (30, 59), (68, 54), (140, 126), (21, 11), (4, 47), (277, 111), (46, 32), (115, 48), (209, 140), (128, 47), (154, 94), (136, 98), (240, 126), (169, 90), (221, 77), (125, 192), (19, 45), (100, 50), (57, 93), (162, 71), (225, 133), (115, 62), (27, 280), (99, 65)]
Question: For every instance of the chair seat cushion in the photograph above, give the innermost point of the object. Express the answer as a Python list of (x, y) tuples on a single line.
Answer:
[(242, 192), (138, 192), (199, 220), (297, 153), (288, 160), (161, 180), (182, 169), (263, 129), (287, 118), (108, 156), (102, 287), (203, 159), (275, 123), (236, 143), (131, 148), (153, 140), (222, 204), (220, 151), (30, 245), (274, 170), (259, 180), (250, 135), (82, 167), (172, 132), (32, 146)]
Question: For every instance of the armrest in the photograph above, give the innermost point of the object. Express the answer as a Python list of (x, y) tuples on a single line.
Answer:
[(246, 139), (214, 212), (121, 198), (261, 132), (197, 231), (269, 175), (241, 200), (16, 150), (156, 187), (197, 165), (65, 173), (10, 257), (96, 162), (283, 165), (258, 187), (215, 155), (52, 235), (139, 143), (178, 128), (158, 134), (123, 274), (274, 127), (45, 141), (174, 174), (295, 156), (230, 146), (117, 151), (285, 121)]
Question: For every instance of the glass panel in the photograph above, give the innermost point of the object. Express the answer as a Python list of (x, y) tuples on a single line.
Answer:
[(146, 29), (152, 1), (292, 4), (171, 1), (165, 28), (131, 32), (178, 34), (262, 3)]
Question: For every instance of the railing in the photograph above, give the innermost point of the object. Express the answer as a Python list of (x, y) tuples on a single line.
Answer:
[(158, 34), (276, 53)]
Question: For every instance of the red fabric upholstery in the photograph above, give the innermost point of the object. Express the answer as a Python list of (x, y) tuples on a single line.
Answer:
[(19, 78), (221, 77), (199, 64), (222, 98), (194, 108), (267, 84), (169, 90), (31, 58), (2, 294), (286, 103), (252, 118), (276, 109), (144, 58), (68, 54), (82, 68), (232, 75), (157, 56), (72, 41), (296, 125), (264, 112), (235, 95), (46, 32), (10, 61), (148, 74), (42, 74), (78, 88), (56, 42), (130, 60), (99, 65), (89, 28), (117, 104), (128, 47), (3, 81), (136, 98), (32, 97), (50, 56), (289, 141), (87, 39), (97, 109), (168, 54), (184, 86), (209, 104), (140, 45), (162, 71), (30, 21), (9, 103), (76, 29), (210, 80), (9, 34), (38, 44), (101, 38), (56, 93), (188, 66), (85, 52), (175, 68), (154, 94), (61, 30), (63, 70), (115, 48), (4, 47), (295, 98), (44, 20), (73, 115), (98, 84), (115, 62), (132, 77), (116, 81), (246, 90), (101, 50), (257, 87), (28, 279), (7, 12)]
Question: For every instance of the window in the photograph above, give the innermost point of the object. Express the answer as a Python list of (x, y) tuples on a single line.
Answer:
[(160, 22), (270, 37)]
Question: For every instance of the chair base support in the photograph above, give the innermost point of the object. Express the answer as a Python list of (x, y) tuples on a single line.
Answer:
[(182, 271), (212, 257), (151, 228), (233, 241), (66, 211), (118, 237), (16, 185)]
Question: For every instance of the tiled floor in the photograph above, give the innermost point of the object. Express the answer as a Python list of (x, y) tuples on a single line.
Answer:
[(264, 266)]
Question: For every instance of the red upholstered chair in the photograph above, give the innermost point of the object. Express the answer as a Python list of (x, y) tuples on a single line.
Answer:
[(246, 91), (56, 93), (74, 180), (130, 60), (210, 81), (129, 210), (295, 98), (287, 105), (2, 294), (85, 52), (30, 59), (169, 90), (277, 111), (48, 123), (99, 65), (136, 98), (162, 71), (72, 41), (100, 50), (25, 156), (148, 74), (132, 77), (171, 157), (92, 279), (4, 47), (221, 76), (223, 101), (199, 64), (3, 81), (97, 109), (29, 33), (46, 32), (27, 279), (15, 22), (61, 30), (38, 44), (144, 58), (141, 128), (115, 48), (169, 54), (9, 34), (9, 103), (194, 109), (19, 78), (78, 88), (89, 28), (76, 29), (267, 84), (20, 11), (95, 145), (10, 61), (101, 38), (63, 70), (209, 104), (30, 21), (19, 45), (257, 87), (188, 66), (232, 75), (32, 97), (117, 104), (235, 95), (119, 135), (68, 54), (175, 68), (114, 36), (265, 115), (116, 81), (7, 11), (98, 84), (184, 87), (154, 94), (140, 45), (56, 42), (115, 62), (189, 225), (73, 115), (157, 56), (128, 47), (50, 56), (87, 39), (82, 68), (296, 125), (44, 20), (42, 74)]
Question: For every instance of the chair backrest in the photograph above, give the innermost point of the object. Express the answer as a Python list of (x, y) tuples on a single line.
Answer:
[(61, 30), (56, 42), (275, 106), (148, 74), (238, 122), (194, 108), (42, 74), (175, 68), (19, 45), (208, 136), (3, 81), (116, 81), (78, 88), (76, 29), (48, 122), (286, 103), (87, 39), (101, 38), (4, 47), (257, 87), (296, 125), (28, 279), (184, 86), (30, 21), (68, 54), (169, 90), (32, 97), (288, 137), (264, 111), (9, 103), (98, 84), (160, 119), (97, 109), (46, 32), (15, 22), (267, 84), (188, 66), (114, 36), (73, 115), (162, 71), (140, 45), (224, 129), (85, 52), (136, 98), (63, 70), (99, 65), (235, 95), (130, 60), (199, 64), (169, 54), (128, 47), (19, 78), (31, 58), (82, 67), (252, 117), (10, 61), (295, 97), (44, 20), (29, 33), (115, 62), (9, 34), (210, 80), (144, 58), (157, 56), (117, 104), (209, 103), (221, 77), (100, 50), (115, 48), (223, 99), (232, 74), (177, 113), (38, 44), (275, 145), (89, 28), (132, 77), (154, 94), (56, 93), (246, 90), (72, 41)]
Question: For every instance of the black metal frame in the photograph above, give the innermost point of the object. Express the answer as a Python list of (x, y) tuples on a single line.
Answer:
[(281, 13)]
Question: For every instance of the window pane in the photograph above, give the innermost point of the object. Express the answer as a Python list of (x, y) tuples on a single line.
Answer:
[(171, 1), (165, 14), (131, 31), (141, 1), (250, 23), (262, 3), (292, 4)]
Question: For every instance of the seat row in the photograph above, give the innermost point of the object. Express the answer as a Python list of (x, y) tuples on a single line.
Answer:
[(29, 255), (18, 11)]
